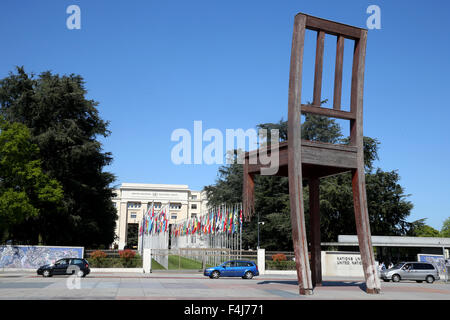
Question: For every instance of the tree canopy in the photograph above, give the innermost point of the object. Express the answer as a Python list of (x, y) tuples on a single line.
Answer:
[(64, 125), (445, 231), (419, 228), (24, 188)]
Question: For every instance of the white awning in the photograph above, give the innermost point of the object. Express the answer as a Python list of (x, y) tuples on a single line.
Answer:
[(392, 241)]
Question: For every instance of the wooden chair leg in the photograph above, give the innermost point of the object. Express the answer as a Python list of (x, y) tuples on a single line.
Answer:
[(314, 212), (300, 241), (298, 222), (295, 159), (363, 229), (248, 194)]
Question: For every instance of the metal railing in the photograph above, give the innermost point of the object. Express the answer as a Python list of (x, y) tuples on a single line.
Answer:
[(196, 258)]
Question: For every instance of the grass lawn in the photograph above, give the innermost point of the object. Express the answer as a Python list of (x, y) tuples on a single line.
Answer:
[(177, 262), (157, 266)]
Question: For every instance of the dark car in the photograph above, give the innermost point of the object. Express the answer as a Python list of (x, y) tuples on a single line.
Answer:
[(65, 266), (234, 268)]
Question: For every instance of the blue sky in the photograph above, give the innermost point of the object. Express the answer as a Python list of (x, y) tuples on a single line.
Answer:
[(155, 66)]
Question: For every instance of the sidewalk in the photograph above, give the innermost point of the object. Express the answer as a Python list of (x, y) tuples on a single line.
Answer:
[(163, 285)]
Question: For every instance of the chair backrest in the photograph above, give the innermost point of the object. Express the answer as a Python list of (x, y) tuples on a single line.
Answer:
[(342, 32)]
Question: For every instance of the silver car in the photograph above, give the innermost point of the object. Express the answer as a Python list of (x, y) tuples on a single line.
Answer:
[(418, 271)]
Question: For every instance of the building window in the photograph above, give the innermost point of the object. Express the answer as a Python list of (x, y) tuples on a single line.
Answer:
[(175, 206), (134, 205), (193, 239), (194, 206), (193, 215), (133, 215), (156, 205), (174, 217), (194, 197)]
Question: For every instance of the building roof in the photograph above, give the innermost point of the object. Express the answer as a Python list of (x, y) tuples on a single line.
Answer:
[(392, 241), (154, 186)]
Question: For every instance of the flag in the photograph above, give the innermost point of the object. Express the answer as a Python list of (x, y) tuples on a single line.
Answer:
[(234, 220), (240, 220), (224, 226)]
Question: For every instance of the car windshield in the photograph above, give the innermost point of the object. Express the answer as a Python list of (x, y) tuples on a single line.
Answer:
[(229, 264), (398, 265)]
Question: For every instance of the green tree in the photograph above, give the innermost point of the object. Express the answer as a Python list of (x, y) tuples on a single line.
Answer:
[(419, 228), (387, 205), (445, 231), (65, 126), (25, 190)]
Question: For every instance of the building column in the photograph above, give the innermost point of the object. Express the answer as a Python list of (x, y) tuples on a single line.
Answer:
[(123, 222)]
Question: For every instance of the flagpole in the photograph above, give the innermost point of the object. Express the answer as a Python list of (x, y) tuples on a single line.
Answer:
[(168, 228), (241, 223)]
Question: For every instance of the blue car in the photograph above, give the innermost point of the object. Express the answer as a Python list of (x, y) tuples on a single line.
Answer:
[(234, 268)]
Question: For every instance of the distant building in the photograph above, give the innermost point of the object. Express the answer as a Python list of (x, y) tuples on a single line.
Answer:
[(133, 200)]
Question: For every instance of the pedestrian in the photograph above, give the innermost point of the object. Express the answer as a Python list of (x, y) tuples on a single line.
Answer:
[(383, 267), (390, 265)]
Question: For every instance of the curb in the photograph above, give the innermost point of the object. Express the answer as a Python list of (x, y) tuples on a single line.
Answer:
[(121, 270)]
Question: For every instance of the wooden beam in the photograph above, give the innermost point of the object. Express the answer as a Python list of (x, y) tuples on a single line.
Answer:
[(314, 212), (332, 27), (338, 73), (295, 159), (315, 109), (317, 96), (248, 191), (358, 175)]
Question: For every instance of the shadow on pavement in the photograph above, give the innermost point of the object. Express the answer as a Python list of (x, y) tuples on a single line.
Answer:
[(359, 284)]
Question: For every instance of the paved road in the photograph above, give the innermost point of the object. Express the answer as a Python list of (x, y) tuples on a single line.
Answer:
[(194, 286)]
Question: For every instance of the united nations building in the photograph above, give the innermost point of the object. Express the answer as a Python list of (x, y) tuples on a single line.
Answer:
[(133, 200)]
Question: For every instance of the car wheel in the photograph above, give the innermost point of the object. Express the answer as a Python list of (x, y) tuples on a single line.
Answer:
[(395, 278), (215, 275), (46, 273), (80, 274), (248, 275), (429, 279)]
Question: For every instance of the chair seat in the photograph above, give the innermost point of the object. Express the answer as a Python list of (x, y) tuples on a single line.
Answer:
[(319, 159)]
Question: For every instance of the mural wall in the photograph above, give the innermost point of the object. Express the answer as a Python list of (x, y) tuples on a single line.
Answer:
[(32, 257), (437, 260)]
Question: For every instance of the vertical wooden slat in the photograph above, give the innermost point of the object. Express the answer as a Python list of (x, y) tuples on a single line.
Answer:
[(318, 68), (314, 212), (354, 93), (338, 73), (295, 159)]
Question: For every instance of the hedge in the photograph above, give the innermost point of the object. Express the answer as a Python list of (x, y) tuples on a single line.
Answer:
[(280, 265), (135, 262)]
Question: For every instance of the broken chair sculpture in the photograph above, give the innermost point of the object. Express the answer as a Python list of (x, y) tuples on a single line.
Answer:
[(311, 160)]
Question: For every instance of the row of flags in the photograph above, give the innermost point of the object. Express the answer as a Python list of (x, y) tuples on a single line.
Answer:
[(155, 222), (219, 220)]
